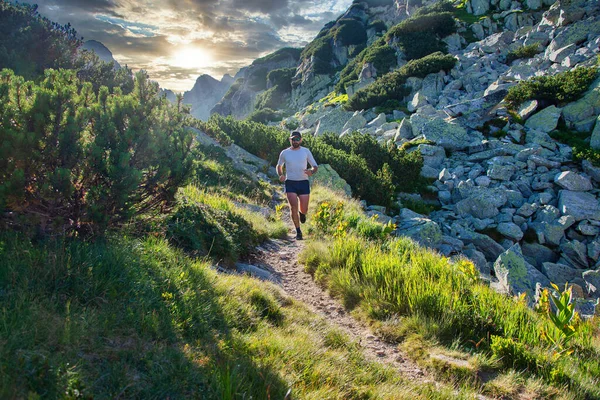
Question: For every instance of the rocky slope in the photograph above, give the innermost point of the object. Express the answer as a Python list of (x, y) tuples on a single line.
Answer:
[(101, 50), (240, 99), (205, 94), (511, 198)]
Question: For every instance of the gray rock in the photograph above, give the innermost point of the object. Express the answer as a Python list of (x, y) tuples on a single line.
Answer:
[(545, 120), (572, 181), (559, 55), (587, 229), (593, 250), (541, 138), (560, 274), (444, 175), (585, 108), (592, 280), (527, 210), (575, 253), (478, 7), (510, 230), (333, 121), (479, 260), (527, 109), (550, 233), (483, 181), (591, 170), (404, 130), (581, 205), (501, 172), (256, 272), (421, 229), (429, 172), (595, 140), (449, 135), (356, 122), (433, 156), (377, 122), (537, 255), (516, 275), (445, 197), (483, 243), (586, 308), (328, 177)]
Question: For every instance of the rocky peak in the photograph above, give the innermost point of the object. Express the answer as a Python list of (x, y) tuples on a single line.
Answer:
[(101, 50)]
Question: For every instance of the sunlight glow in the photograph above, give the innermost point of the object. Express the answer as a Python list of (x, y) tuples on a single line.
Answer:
[(191, 57)]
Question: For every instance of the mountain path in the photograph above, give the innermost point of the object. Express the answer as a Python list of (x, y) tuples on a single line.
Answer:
[(280, 257)]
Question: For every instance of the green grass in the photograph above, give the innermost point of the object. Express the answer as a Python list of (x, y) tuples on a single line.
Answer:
[(411, 292), (136, 318)]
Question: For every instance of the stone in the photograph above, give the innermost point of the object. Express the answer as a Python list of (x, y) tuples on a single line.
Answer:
[(255, 271), (592, 280), (585, 108), (328, 177), (534, 4), (448, 135), (540, 138), (545, 120), (377, 122), (536, 254), (433, 156), (404, 131), (559, 55), (544, 162), (510, 230), (587, 229), (501, 172), (479, 260), (591, 170), (595, 140), (527, 210), (444, 175), (575, 253), (517, 276), (559, 274), (572, 181), (527, 109), (445, 197), (429, 172), (419, 100), (550, 233), (479, 7), (483, 243), (483, 181), (581, 205), (419, 228), (333, 121), (356, 122)]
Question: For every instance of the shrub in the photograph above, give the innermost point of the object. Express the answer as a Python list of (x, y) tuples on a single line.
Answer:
[(258, 79), (421, 35), (378, 25), (279, 55), (270, 99), (391, 86), (233, 88), (206, 230), (72, 161), (265, 115), (350, 32), (281, 77), (528, 51), (557, 89)]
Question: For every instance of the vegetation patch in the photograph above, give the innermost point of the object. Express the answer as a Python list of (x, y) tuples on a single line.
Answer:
[(557, 89), (528, 51), (279, 55), (392, 85), (421, 35)]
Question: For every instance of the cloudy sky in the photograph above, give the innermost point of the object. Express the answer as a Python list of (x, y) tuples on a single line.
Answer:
[(178, 40)]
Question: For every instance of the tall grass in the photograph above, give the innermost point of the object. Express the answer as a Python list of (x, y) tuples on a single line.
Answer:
[(397, 280), (131, 318)]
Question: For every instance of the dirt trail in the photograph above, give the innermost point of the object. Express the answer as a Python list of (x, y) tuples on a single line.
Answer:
[(280, 257)]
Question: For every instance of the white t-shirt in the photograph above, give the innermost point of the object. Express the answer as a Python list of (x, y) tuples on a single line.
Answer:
[(296, 161)]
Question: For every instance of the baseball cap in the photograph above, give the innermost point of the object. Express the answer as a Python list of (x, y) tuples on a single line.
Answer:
[(295, 134)]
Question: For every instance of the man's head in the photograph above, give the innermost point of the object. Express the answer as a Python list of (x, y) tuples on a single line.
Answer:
[(295, 139)]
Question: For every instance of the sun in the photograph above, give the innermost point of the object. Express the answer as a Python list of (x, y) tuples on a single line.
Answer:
[(191, 57)]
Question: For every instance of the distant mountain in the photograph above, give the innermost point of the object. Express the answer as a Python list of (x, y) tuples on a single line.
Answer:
[(101, 50), (207, 92), (169, 94)]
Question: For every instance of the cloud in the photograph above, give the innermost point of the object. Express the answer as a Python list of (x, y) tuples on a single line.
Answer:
[(145, 34)]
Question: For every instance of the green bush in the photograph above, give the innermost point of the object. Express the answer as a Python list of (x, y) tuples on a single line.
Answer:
[(391, 86), (381, 55), (350, 32), (558, 89), (258, 79), (279, 55), (436, 8), (421, 35), (265, 115), (71, 161), (528, 51), (208, 231), (281, 77), (378, 25), (233, 88)]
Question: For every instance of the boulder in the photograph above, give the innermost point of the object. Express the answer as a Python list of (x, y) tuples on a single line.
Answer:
[(328, 177), (592, 280), (537, 255), (510, 231), (527, 109), (433, 156), (560, 274), (420, 228), (516, 276), (449, 135), (581, 205), (404, 131), (545, 120), (356, 122), (483, 243), (377, 122), (478, 258), (575, 253), (333, 121), (559, 55), (572, 181), (478, 7), (595, 140), (585, 108)]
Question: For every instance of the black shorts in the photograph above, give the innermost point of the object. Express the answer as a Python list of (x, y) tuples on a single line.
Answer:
[(298, 187)]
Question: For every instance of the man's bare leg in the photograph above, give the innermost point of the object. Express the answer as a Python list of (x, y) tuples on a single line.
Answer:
[(293, 202), (304, 199)]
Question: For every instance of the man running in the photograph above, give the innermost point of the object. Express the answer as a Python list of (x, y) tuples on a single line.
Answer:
[(296, 159)]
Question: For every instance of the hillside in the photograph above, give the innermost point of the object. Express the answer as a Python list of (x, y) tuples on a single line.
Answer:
[(453, 233)]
